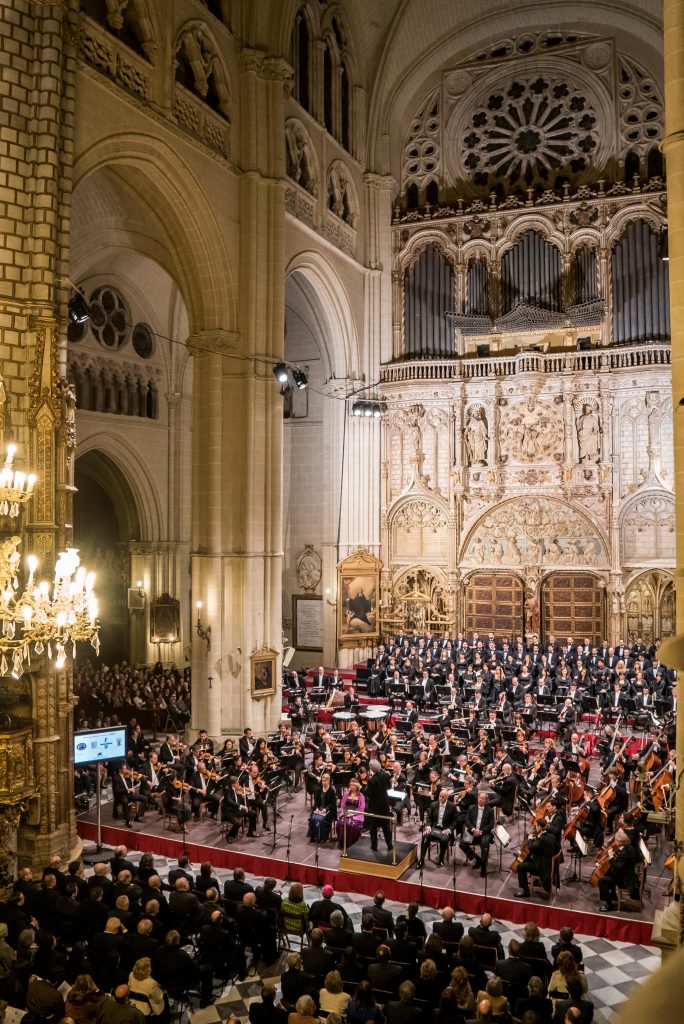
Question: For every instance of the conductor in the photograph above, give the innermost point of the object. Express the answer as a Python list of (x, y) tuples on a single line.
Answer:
[(377, 802)]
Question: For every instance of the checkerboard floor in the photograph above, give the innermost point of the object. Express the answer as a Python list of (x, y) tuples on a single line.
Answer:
[(612, 967)]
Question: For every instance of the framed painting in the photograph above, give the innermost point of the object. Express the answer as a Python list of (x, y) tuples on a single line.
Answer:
[(263, 673), (358, 584)]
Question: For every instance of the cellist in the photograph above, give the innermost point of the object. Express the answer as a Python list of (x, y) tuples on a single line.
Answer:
[(621, 872)]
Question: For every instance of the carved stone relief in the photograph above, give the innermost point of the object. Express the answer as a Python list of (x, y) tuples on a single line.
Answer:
[(588, 427), (648, 529), (529, 431), (538, 530), (309, 569)]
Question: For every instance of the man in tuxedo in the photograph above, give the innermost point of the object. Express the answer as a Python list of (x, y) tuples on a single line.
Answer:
[(235, 809), (320, 680), (247, 744), (466, 800), (440, 826), (377, 802), (483, 934), (539, 861), (477, 832)]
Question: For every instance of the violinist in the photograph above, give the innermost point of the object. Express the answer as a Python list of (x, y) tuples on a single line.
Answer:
[(201, 794), (235, 810), (463, 800), (542, 850), (153, 773), (174, 796), (169, 751), (504, 786), (294, 760), (424, 794), (126, 791), (256, 792), (205, 745), (621, 873)]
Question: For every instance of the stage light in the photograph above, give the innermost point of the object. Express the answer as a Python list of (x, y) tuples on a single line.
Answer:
[(357, 408), (79, 310), (300, 378), (280, 373)]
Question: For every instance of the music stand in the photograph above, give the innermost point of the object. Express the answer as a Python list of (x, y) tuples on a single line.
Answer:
[(503, 838), (576, 861), (589, 704)]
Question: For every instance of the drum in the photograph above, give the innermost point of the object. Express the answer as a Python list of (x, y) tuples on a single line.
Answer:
[(343, 718)]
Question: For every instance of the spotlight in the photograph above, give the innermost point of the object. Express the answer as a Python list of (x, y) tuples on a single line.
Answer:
[(79, 311), (300, 378), (280, 373), (664, 246), (358, 408), (371, 410)]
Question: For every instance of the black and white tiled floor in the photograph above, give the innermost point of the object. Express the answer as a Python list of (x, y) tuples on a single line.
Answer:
[(612, 967)]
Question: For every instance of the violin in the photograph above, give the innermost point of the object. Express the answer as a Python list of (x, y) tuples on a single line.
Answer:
[(130, 774), (179, 784), (209, 774)]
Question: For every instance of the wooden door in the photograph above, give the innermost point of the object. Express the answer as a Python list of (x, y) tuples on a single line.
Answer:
[(494, 601), (573, 604)]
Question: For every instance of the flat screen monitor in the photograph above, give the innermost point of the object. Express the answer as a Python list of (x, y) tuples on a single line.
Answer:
[(100, 745)]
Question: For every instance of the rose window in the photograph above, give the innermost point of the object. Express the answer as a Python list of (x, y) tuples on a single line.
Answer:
[(529, 131)]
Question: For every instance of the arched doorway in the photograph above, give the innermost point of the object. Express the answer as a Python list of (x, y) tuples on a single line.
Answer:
[(573, 604), (105, 521), (650, 607), (494, 601)]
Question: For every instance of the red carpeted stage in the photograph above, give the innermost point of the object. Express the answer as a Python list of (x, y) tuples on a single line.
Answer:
[(576, 904)]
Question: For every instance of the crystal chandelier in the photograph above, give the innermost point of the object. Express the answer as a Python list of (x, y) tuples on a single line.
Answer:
[(15, 487), (42, 617)]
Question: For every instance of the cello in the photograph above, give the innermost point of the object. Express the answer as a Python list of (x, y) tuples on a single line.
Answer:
[(605, 856)]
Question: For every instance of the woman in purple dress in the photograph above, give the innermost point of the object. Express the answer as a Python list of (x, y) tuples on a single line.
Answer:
[(353, 800)]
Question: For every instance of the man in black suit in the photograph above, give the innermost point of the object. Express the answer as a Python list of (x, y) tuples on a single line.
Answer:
[(404, 1011), (267, 897), (366, 941), (621, 873), (566, 945), (337, 935), (181, 871), (234, 889), (317, 960), (539, 861), (266, 1012), (120, 862), (477, 832), (92, 913), (440, 825), (383, 918), (448, 929), (514, 972), (247, 744), (505, 791), (235, 809), (382, 974), (138, 944), (377, 802), (483, 934), (184, 905), (256, 930)]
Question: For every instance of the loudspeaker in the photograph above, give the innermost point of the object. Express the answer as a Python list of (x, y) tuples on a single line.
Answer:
[(483, 351), (583, 344), (288, 656)]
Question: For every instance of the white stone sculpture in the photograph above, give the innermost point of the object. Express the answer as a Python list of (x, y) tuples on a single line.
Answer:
[(588, 434), (475, 435)]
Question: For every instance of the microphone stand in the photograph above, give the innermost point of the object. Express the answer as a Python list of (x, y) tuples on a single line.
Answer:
[(289, 846), (318, 875), (273, 843)]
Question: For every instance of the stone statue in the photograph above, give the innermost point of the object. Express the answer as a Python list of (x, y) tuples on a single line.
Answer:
[(552, 551), (475, 434), (300, 159), (309, 569), (531, 615), (588, 434)]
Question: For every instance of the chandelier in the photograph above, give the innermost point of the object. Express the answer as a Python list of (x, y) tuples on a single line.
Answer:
[(43, 617), (15, 487)]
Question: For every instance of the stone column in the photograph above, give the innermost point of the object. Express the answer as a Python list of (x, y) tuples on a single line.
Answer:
[(673, 148)]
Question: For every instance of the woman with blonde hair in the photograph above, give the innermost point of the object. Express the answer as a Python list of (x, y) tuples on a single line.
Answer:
[(144, 992), (332, 999), (457, 1000)]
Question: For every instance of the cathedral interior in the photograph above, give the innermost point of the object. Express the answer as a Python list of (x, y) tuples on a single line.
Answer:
[(383, 303)]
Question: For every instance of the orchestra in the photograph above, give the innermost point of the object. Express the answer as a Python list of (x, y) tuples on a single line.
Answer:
[(571, 739)]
